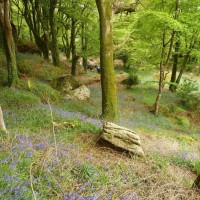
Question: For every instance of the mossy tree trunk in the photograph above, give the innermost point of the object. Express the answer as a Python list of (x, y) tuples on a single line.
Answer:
[(2, 49), (54, 43), (9, 44), (108, 80)]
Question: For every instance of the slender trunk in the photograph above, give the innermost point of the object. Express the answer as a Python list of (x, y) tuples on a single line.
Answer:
[(183, 67), (162, 64), (172, 87), (84, 47), (30, 35), (73, 47), (68, 46), (161, 79), (54, 43), (108, 80)]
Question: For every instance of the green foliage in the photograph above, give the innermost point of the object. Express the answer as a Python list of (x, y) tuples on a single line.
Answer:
[(132, 79), (188, 92), (84, 171), (196, 167), (12, 97)]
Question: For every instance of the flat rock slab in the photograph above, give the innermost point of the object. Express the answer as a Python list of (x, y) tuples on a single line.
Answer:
[(122, 138)]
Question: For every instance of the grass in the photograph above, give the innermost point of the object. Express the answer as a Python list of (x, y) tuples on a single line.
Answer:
[(42, 160), (34, 66)]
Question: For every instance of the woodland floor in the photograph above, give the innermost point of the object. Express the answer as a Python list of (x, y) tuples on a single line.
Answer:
[(70, 163)]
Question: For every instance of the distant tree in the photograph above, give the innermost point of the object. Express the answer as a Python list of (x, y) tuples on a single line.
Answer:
[(40, 18), (9, 44), (187, 41), (154, 29)]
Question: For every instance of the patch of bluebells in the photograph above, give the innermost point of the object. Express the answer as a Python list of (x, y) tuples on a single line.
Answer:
[(78, 115), (130, 196), (15, 188), (39, 146), (188, 155)]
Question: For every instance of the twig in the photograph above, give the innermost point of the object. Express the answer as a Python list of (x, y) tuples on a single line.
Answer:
[(31, 180), (53, 127)]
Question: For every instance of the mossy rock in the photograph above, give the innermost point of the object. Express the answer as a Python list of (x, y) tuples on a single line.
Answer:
[(65, 83)]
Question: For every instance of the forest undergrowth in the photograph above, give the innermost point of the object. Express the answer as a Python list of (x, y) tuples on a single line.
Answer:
[(40, 160)]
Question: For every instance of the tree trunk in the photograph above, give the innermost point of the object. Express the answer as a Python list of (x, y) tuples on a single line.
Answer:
[(108, 80), (73, 47), (54, 43), (2, 48), (162, 64), (172, 87), (84, 42), (161, 79), (183, 67), (9, 44)]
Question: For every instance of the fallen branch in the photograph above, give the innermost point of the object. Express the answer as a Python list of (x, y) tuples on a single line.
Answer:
[(2, 124)]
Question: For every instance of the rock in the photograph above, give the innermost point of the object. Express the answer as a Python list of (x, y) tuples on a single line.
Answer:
[(122, 138), (82, 93), (65, 83)]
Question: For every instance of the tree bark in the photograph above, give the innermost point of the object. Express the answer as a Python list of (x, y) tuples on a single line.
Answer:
[(108, 80), (54, 43), (9, 44), (172, 87), (185, 60), (84, 42), (161, 79), (73, 48)]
